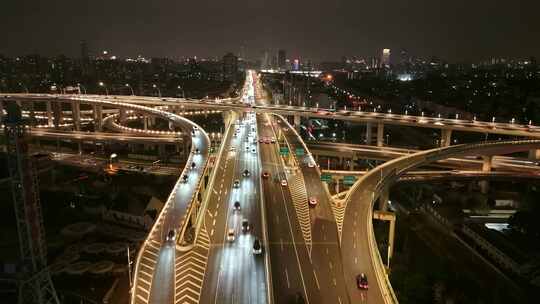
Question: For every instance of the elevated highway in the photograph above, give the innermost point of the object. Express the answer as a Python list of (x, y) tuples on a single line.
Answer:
[(359, 247)]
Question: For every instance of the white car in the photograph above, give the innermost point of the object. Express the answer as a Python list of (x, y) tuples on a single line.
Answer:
[(230, 235)]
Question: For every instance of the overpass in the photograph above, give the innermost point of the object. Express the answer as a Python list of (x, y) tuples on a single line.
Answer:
[(358, 236)]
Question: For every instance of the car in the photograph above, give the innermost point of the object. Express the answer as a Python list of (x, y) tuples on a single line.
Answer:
[(246, 173), (184, 178), (247, 148), (257, 247), (361, 281), (284, 182), (312, 201), (171, 235), (193, 133), (236, 184), (197, 151), (230, 235), (245, 225), (265, 174), (253, 150), (311, 164), (233, 149), (193, 166), (236, 206), (273, 140), (261, 140)]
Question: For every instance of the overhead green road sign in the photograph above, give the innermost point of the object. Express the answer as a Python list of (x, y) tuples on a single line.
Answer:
[(284, 151), (300, 152), (349, 180), (325, 177)]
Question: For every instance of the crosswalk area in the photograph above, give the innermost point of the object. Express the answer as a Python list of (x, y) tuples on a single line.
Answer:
[(190, 268), (147, 264), (300, 201)]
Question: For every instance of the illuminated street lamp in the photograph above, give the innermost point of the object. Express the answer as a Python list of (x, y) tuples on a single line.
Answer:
[(79, 86), (102, 84), (183, 93), (111, 157), (129, 86), (157, 88)]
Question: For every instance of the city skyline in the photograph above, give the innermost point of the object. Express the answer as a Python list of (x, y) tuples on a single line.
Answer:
[(205, 29)]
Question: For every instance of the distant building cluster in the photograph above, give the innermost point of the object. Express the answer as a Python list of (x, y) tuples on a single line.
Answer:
[(92, 73)]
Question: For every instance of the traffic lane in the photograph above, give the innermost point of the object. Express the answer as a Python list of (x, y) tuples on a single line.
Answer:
[(218, 210), (326, 250), (355, 249), (162, 290), (288, 251)]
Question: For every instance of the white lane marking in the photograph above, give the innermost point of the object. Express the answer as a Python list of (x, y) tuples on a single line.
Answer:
[(212, 232), (277, 219), (316, 279), (356, 260), (281, 243), (339, 299), (209, 213), (334, 281), (217, 286), (330, 264), (287, 278), (214, 222)]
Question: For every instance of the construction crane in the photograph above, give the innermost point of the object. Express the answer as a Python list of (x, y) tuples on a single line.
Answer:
[(35, 284)]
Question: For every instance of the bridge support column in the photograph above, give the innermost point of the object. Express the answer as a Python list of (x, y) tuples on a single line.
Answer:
[(487, 162), (368, 133), (79, 147), (122, 115), (383, 199), (380, 134), (50, 121), (352, 163), (76, 114), (446, 137), (534, 154), (58, 115), (296, 122), (162, 151), (389, 217), (145, 122), (98, 117), (171, 126), (1, 109)]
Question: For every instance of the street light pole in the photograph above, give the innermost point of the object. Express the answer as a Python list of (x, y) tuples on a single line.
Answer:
[(102, 84), (183, 93), (129, 86), (157, 88)]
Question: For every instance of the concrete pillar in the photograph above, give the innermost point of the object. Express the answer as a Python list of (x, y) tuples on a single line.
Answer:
[(534, 154), (98, 117), (151, 121), (162, 152), (389, 217), (58, 115), (446, 137), (383, 199), (352, 163), (297, 122), (79, 147), (380, 134), (391, 236), (76, 114), (122, 116), (50, 121), (487, 162), (368, 133), (145, 121)]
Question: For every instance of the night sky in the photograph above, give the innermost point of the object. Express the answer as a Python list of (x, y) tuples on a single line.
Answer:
[(458, 30)]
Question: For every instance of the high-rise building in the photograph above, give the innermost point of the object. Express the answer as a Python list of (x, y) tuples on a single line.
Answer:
[(230, 67), (282, 60), (84, 51), (296, 65), (385, 58)]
